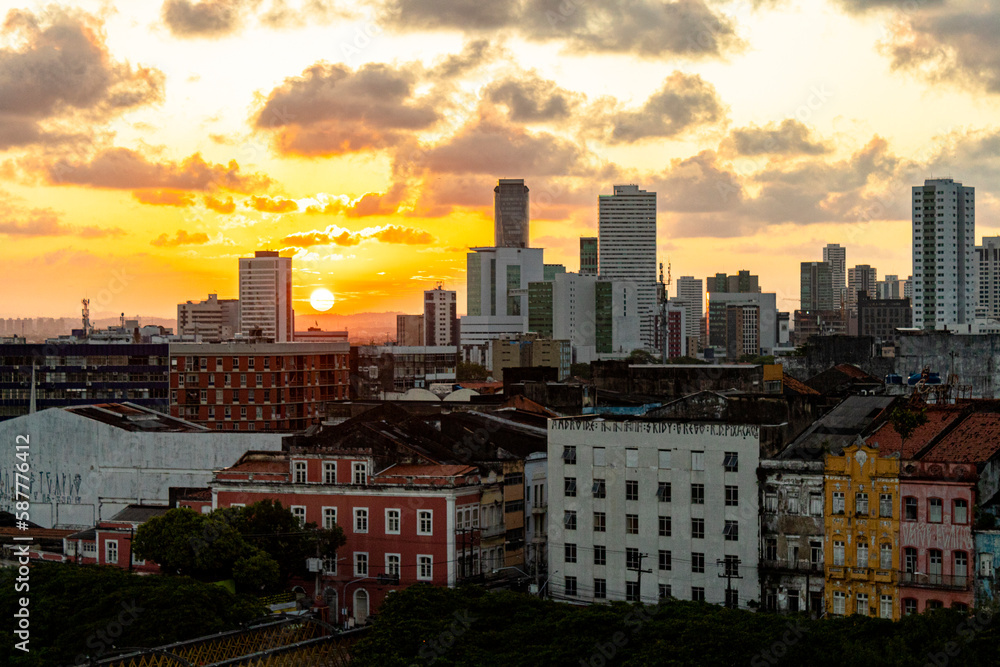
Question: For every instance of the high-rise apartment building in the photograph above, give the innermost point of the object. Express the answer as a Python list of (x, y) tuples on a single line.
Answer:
[(627, 246), (816, 286), (690, 292), (944, 261), (862, 278), (266, 296), (211, 320), (510, 213), (836, 256), (891, 287), (409, 330), (988, 259), (440, 317), (588, 255)]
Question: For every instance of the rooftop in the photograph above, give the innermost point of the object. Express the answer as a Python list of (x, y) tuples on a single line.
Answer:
[(132, 417), (140, 513)]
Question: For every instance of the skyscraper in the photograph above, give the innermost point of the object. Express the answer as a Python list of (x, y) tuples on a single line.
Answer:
[(862, 278), (944, 261), (588, 255), (988, 256), (266, 296), (510, 213), (836, 256), (627, 247), (816, 286), (691, 293), (440, 317)]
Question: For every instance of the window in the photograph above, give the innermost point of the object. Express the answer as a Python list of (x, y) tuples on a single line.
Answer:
[(632, 559), (697, 562), (838, 502), (599, 489), (631, 458), (569, 487), (569, 520), (330, 566), (697, 529), (838, 552), (909, 606), (816, 554), (329, 517), (862, 607), (733, 599), (664, 459), (960, 512), (299, 512), (600, 554), (569, 455), (770, 501), (934, 604), (666, 561), (960, 567), (934, 559), (985, 565), (697, 460), (360, 520), (861, 503), (111, 551), (697, 494), (910, 560), (664, 590), (732, 496), (885, 606), (569, 551), (885, 557), (631, 591), (329, 472), (392, 521), (731, 531), (360, 473), (392, 565), (862, 554), (600, 589), (599, 456), (632, 524), (909, 509), (571, 586), (793, 503), (600, 522), (300, 472), (425, 522), (731, 462), (838, 603), (663, 492), (631, 489), (665, 526), (885, 505), (360, 564), (771, 548), (425, 568), (934, 510)]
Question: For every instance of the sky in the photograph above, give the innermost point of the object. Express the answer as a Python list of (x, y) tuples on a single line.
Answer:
[(146, 146)]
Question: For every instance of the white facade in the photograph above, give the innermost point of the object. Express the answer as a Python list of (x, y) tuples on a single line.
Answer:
[(627, 247), (988, 261), (574, 315), (837, 258), (944, 260), (83, 470), (691, 291), (439, 317), (862, 278), (684, 494), (768, 313), (266, 296), (209, 320)]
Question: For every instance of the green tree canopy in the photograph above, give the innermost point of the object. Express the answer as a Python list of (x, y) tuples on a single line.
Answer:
[(471, 372)]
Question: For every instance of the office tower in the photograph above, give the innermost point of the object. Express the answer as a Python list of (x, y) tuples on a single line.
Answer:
[(409, 330), (738, 283), (891, 287), (211, 320), (723, 289), (627, 247), (690, 293), (944, 268), (742, 330), (510, 213), (836, 256), (266, 296), (440, 317), (862, 278), (816, 286), (988, 259), (588, 255)]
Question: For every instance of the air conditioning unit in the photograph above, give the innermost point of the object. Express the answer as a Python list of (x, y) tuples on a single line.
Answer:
[(314, 564)]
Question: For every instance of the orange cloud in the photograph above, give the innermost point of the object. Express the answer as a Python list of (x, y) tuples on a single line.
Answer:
[(334, 235), (180, 238), (164, 198), (220, 206), (269, 205)]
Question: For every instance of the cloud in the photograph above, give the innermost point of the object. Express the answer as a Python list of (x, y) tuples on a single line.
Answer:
[(179, 239), (531, 99), (334, 235), (332, 109), (474, 54), (269, 205), (61, 71), (791, 137), (218, 205), (683, 103), (189, 19), (164, 198), (698, 184), (370, 203), (127, 169), (44, 222)]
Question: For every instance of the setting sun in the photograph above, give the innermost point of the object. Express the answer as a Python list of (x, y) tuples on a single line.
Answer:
[(321, 299)]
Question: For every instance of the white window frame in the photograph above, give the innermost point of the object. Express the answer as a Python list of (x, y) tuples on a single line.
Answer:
[(361, 512), (697, 460), (359, 467), (839, 603), (399, 565), (428, 561), (422, 516), (300, 467), (389, 530), (299, 512), (358, 555), (326, 512), (328, 467), (885, 606), (109, 546)]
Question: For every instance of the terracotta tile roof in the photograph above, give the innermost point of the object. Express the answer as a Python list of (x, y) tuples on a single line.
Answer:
[(854, 372), (37, 533), (975, 439), (259, 466), (938, 419), (791, 384), (428, 471)]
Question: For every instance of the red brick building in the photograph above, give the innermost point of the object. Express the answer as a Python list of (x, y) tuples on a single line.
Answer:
[(110, 542), (414, 522), (257, 386)]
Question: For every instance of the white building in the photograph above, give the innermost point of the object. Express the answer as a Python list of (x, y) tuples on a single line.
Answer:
[(862, 278), (836, 256), (89, 462), (599, 317), (988, 260), (628, 495), (890, 288), (627, 247), (691, 292), (536, 498), (266, 296), (211, 320), (944, 261), (767, 301), (440, 318)]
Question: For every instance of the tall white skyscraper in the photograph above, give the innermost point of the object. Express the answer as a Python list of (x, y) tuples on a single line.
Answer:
[(266, 296), (836, 256), (627, 247), (988, 260), (440, 319), (944, 260), (862, 278), (691, 291)]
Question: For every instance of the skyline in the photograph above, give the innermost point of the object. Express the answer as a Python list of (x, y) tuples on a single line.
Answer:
[(150, 147)]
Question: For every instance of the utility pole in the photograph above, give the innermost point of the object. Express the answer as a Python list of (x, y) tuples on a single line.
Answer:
[(731, 569), (639, 571)]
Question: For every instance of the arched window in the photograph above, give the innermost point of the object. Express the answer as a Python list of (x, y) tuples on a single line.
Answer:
[(360, 606)]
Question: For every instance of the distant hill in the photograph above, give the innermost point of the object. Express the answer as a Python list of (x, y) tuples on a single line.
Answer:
[(361, 327)]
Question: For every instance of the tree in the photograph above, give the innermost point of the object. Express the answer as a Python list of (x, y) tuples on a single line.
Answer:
[(907, 421), (259, 573), (580, 370), (469, 371), (640, 356), (184, 542)]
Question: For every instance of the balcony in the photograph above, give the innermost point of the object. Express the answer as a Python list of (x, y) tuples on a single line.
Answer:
[(539, 508), (941, 581), (836, 573), (800, 567), (859, 573), (492, 531), (883, 576)]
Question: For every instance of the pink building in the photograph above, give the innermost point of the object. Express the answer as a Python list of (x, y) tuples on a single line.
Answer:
[(404, 525), (935, 535)]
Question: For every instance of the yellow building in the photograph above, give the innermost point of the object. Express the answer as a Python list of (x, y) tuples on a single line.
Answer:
[(861, 562)]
